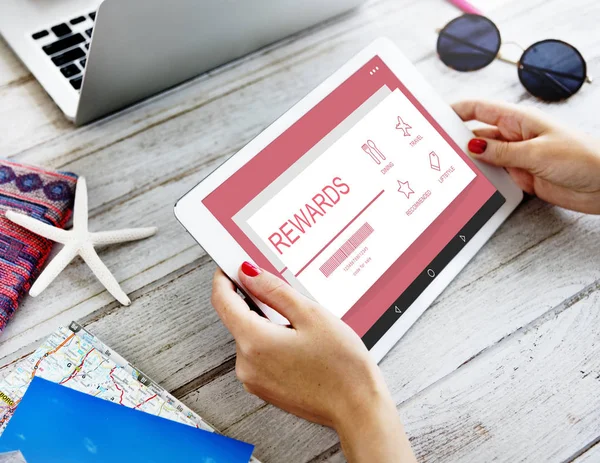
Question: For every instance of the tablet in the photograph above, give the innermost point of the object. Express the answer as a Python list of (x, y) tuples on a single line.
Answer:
[(361, 197)]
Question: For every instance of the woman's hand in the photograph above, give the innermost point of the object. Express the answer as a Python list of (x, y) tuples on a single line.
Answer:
[(544, 158), (317, 369)]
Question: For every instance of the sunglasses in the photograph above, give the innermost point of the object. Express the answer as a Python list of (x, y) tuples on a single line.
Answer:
[(551, 70)]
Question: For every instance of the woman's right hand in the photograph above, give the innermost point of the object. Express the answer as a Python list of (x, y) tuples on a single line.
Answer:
[(557, 164)]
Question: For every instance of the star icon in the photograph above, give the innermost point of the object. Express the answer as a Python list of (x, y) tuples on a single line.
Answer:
[(405, 188), (79, 241), (404, 127)]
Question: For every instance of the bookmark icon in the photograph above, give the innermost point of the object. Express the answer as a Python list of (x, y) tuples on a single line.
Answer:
[(434, 161), (371, 149)]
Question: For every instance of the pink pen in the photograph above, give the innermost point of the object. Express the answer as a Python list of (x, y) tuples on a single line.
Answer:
[(465, 6)]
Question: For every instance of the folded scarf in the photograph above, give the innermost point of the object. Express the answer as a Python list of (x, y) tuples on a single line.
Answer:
[(44, 195)]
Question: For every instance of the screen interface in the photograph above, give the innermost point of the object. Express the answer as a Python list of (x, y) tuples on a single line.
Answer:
[(360, 204)]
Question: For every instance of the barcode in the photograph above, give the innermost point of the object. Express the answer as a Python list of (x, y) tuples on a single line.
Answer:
[(346, 249)]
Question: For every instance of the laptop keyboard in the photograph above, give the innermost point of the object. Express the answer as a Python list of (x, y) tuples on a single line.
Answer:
[(67, 44)]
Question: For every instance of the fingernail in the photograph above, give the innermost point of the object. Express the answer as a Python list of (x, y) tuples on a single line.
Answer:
[(250, 270), (477, 146)]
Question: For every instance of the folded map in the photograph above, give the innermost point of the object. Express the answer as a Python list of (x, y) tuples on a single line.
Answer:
[(74, 358)]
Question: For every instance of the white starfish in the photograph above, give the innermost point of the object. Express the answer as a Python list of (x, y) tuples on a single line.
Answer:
[(79, 241)]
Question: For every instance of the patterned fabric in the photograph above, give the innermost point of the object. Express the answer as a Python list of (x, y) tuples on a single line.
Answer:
[(46, 196)]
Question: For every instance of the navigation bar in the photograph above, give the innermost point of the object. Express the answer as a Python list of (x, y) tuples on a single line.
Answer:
[(430, 273)]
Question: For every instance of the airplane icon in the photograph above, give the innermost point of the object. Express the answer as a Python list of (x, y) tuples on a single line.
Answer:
[(404, 127)]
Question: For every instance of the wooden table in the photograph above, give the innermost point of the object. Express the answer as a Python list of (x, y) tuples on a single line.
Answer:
[(504, 366)]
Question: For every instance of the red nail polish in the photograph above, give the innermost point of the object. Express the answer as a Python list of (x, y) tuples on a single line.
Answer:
[(250, 270), (477, 146)]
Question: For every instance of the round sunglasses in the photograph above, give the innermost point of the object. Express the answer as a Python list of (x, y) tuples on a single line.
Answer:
[(551, 70)]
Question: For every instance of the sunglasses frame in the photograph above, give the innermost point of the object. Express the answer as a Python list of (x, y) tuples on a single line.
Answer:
[(498, 53), (493, 55)]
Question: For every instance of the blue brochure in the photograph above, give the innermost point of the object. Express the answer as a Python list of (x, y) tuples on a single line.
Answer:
[(55, 424)]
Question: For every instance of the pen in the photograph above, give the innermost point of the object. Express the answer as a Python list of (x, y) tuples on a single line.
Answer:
[(466, 6)]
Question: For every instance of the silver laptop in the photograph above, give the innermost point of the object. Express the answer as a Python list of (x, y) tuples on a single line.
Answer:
[(95, 57)]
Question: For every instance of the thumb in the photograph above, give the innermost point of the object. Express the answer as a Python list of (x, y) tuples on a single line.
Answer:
[(503, 153), (275, 292)]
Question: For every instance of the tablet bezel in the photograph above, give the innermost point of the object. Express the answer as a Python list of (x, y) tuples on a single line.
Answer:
[(228, 254)]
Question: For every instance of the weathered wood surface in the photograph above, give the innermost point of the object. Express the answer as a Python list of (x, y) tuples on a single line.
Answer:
[(502, 367), (589, 454)]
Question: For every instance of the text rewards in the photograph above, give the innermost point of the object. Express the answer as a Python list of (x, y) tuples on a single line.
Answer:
[(293, 229)]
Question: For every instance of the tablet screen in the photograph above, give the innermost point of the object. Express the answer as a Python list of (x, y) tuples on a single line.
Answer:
[(360, 204)]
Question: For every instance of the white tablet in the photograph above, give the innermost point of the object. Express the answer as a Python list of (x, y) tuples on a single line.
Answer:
[(361, 197)]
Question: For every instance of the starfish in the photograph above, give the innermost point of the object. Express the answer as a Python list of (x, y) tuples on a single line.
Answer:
[(79, 241)]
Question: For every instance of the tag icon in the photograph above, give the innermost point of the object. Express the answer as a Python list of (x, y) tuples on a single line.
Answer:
[(434, 161)]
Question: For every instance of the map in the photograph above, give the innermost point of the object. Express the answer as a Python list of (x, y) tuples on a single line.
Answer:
[(12, 457), (76, 359)]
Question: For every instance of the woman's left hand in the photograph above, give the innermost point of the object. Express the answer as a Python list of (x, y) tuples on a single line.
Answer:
[(318, 369)]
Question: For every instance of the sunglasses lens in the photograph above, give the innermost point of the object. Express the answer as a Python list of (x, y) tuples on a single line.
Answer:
[(552, 70), (468, 43)]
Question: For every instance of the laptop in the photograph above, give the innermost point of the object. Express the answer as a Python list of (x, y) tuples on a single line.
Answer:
[(95, 57)]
